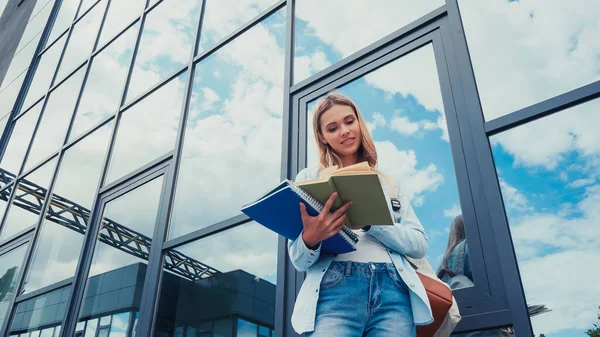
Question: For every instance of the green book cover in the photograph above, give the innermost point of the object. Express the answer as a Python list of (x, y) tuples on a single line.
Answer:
[(369, 204)]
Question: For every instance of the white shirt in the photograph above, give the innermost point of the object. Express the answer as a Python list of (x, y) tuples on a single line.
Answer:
[(368, 249)]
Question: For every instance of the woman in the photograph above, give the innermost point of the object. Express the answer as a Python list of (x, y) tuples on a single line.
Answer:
[(455, 269), (373, 291)]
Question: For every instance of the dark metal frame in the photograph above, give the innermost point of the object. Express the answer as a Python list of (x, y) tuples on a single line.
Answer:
[(497, 297)]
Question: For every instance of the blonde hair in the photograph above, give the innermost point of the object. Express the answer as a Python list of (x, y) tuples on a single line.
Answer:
[(366, 152), (327, 156)]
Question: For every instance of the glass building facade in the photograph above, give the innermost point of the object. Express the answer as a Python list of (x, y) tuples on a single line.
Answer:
[(134, 130)]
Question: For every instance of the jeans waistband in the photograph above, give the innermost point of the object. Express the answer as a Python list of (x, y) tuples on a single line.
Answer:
[(361, 267)]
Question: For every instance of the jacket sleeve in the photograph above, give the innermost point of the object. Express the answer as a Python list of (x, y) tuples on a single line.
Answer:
[(301, 256), (407, 237)]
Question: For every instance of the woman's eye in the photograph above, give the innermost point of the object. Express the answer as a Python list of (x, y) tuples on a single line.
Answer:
[(350, 121), (332, 129)]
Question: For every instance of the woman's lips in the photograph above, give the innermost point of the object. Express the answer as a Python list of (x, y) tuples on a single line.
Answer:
[(348, 141)]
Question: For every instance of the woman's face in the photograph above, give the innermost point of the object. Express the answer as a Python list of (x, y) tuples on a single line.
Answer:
[(340, 129)]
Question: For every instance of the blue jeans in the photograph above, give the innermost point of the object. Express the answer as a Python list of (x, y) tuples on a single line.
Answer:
[(363, 300)]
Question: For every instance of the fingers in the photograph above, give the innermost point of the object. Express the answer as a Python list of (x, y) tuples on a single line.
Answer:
[(342, 210), (337, 225), (303, 212), (329, 203)]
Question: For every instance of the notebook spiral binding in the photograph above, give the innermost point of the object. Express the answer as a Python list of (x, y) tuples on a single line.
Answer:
[(346, 232)]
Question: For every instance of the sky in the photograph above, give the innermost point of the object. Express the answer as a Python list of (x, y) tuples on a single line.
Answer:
[(522, 52)]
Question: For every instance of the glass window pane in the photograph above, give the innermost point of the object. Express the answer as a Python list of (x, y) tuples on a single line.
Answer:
[(206, 277), (81, 42), (57, 331), (120, 14), (85, 6), (39, 6), (10, 267), (103, 333), (551, 194), (21, 61), (223, 17), (246, 329), (55, 119), (119, 325), (148, 129), (223, 328), (64, 19), (90, 328), (234, 123), (19, 142), (119, 264), (190, 332), (47, 332), (105, 320), (8, 94), (44, 73), (263, 331), (407, 122), (321, 41), (55, 257), (519, 51), (35, 27), (41, 311), (27, 204), (102, 92), (166, 43)]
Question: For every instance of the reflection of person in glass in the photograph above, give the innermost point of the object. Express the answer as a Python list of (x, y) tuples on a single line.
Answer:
[(456, 271), (373, 291)]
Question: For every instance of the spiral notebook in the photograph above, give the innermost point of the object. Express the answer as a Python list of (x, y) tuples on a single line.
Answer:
[(279, 211)]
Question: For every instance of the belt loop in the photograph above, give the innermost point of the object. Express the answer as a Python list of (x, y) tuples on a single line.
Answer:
[(348, 270)]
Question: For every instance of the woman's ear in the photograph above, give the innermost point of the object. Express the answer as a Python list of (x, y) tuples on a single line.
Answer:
[(321, 139)]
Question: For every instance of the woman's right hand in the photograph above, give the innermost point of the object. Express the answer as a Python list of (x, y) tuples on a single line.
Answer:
[(325, 225)]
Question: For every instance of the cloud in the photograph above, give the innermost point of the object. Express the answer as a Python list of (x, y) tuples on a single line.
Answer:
[(249, 247), (378, 121), (453, 212), (531, 57), (404, 126), (223, 17), (402, 167), (553, 246), (514, 200), (305, 65), (234, 128), (166, 43), (345, 31)]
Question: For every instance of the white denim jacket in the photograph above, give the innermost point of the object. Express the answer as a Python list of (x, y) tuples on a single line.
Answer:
[(405, 237)]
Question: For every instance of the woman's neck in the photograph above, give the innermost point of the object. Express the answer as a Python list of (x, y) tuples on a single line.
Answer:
[(349, 160)]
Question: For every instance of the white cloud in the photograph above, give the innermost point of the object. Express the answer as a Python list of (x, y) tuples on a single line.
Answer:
[(241, 134), (378, 121), (345, 31), (453, 212), (404, 126), (514, 200), (305, 65), (531, 57), (402, 167), (581, 183), (552, 247), (223, 17), (249, 247), (166, 43)]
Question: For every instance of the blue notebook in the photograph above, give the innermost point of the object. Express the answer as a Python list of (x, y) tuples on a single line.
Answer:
[(279, 211)]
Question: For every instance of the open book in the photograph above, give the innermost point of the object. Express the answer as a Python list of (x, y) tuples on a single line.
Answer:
[(358, 183), (279, 211)]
